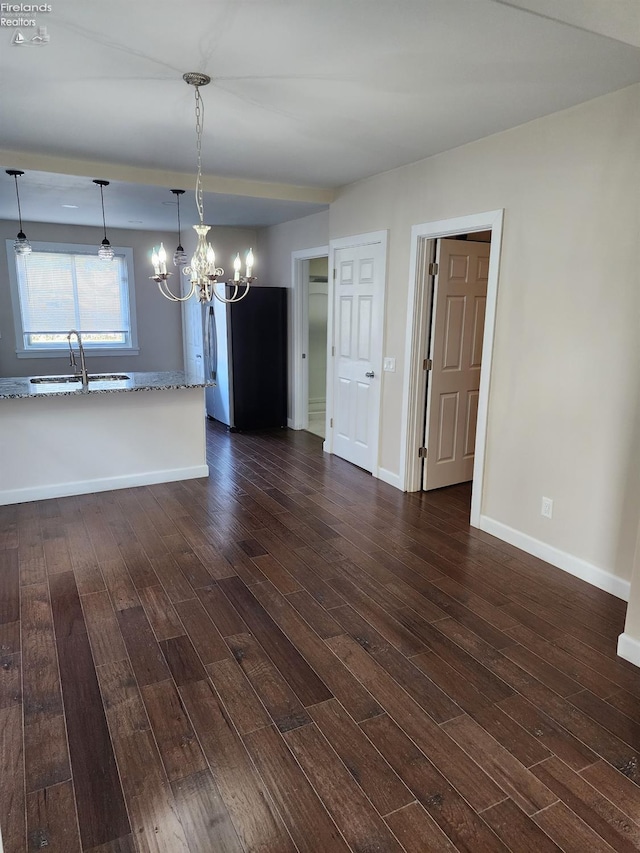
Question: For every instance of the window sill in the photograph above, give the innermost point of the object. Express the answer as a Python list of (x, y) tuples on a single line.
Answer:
[(90, 352)]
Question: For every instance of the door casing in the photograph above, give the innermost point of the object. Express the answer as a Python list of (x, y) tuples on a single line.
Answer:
[(417, 342)]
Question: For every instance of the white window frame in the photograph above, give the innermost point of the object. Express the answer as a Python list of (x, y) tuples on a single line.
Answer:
[(62, 350)]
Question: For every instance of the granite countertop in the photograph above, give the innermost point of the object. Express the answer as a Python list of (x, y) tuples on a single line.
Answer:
[(21, 386)]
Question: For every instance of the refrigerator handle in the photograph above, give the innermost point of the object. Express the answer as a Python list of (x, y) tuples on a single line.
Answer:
[(211, 343)]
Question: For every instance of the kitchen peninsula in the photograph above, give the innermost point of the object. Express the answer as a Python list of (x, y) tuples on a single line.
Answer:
[(60, 439)]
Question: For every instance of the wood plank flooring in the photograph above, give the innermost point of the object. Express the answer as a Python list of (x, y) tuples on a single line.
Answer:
[(292, 656)]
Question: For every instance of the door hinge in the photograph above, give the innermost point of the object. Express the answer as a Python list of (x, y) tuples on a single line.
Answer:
[(433, 269), (427, 364), (331, 422), (335, 273), (422, 453), (333, 350)]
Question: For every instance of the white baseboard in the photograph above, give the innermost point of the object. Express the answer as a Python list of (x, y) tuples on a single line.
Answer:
[(105, 484), (629, 648), (561, 559), (389, 477)]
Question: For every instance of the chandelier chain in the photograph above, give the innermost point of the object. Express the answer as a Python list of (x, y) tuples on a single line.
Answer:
[(199, 126)]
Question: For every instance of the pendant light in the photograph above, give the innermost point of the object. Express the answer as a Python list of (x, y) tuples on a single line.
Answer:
[(105, 252), (179, 256), (21, 245), (159, 255), (202, 270)]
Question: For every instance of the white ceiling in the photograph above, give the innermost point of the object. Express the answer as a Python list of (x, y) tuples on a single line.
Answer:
[(618, 19), (312, 93), (137, 206)]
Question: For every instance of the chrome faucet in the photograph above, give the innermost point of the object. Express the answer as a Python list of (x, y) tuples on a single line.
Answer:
[(72, 359)]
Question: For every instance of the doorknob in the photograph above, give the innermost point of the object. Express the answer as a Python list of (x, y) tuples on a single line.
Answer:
[(370, 374)]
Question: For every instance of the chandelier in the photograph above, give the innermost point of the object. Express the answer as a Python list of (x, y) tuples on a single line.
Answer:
[(203, 273)]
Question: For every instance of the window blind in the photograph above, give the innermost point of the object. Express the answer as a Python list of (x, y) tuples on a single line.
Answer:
[(61, 291)]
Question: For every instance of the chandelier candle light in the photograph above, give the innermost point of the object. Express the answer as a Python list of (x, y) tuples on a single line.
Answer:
[(21, 245), (203, 273)]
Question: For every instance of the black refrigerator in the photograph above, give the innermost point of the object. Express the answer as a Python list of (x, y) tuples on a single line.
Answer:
[(246, 358)]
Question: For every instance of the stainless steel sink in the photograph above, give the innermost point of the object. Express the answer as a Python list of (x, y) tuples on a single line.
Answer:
[(93, 377), (107, 377), (47, 380)]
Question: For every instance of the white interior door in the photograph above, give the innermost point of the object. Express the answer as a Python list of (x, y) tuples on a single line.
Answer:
[(460, 296), (192, 337), (357, 324)]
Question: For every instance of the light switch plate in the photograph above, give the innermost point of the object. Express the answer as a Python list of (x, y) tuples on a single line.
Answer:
[(389, 365)]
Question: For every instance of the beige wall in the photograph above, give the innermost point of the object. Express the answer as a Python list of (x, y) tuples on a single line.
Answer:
[(159, 321), (278, 242), (228, 242), (563, 401), (275, 246)]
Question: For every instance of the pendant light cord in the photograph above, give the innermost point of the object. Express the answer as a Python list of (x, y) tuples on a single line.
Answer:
[(179, 229), (15, 178), (104, 223)]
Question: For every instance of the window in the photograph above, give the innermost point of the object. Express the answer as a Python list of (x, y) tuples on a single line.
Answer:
[(59, 287)]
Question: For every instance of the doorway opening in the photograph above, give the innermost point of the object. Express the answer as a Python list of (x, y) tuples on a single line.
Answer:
[(439, 418), (309, 346), (317, 337), (457, 293)]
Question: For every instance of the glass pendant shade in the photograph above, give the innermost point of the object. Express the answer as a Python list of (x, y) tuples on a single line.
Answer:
[(180, 257), (105, 252), (21, 245)]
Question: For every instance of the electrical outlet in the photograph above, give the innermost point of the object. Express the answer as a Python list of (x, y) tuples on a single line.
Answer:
[(547, 507)]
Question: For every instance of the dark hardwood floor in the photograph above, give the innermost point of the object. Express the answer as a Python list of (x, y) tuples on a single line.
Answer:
[(292, 656)]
